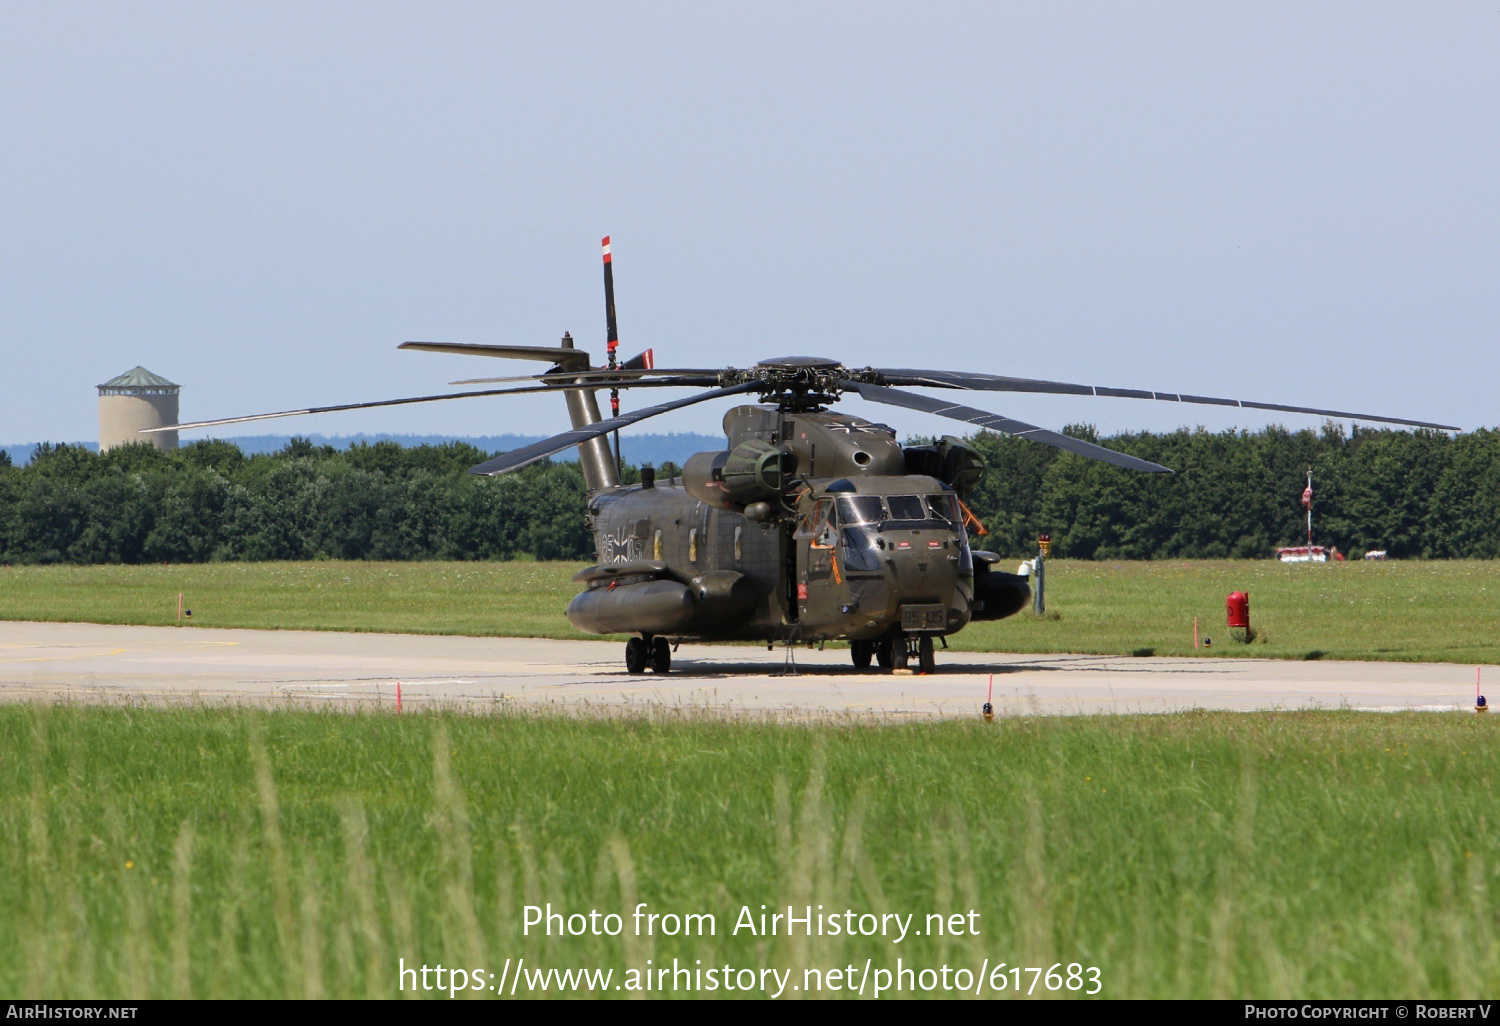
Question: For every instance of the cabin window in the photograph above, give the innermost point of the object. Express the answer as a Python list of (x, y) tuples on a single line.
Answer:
[(656, 547), (693, 545), (737, 531)]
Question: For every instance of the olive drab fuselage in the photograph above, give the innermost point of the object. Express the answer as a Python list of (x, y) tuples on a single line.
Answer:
[(811, 526)]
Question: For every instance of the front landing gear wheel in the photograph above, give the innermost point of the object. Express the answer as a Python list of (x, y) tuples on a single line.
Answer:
[(900, 650), (926, 662), (861, 652), (885, 650), (661, 655), (635, 656)]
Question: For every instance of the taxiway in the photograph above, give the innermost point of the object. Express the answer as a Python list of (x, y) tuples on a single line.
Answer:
[(164, 665)]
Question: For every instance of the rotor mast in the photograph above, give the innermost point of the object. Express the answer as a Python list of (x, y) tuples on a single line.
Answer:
[(600, 471)]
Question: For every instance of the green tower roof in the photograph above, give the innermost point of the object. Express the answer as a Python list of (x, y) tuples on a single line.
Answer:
[(139, 377)]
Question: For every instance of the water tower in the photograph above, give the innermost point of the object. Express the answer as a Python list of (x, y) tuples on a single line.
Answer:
[(137, 399)]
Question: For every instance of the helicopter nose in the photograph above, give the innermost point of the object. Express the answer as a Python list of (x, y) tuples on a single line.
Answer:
[(924, 564)]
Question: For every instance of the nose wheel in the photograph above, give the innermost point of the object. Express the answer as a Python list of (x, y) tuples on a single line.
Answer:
[(897, 653), (926, 660)]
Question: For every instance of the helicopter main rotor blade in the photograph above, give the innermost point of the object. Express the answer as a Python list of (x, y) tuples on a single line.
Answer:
[(998, 383), (518, 458), (533, 390), (1005, 425), (601, 376), (573, 359)]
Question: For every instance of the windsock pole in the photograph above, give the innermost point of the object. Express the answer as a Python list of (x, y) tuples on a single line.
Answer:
[(612, 338), (1307, 501)]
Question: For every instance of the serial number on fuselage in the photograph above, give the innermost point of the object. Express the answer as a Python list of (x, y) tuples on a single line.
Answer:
[(924, 618)]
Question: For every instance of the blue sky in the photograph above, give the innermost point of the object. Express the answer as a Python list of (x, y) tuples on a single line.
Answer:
[(1289, 202)]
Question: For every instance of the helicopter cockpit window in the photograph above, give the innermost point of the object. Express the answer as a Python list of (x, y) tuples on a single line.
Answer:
[(945, 508), (820, 525), (859, 551), (860, 509), (857, 515), (906, 507)]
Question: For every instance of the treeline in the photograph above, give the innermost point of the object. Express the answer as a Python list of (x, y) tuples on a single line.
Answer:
[(1415, 494), (209, 501)]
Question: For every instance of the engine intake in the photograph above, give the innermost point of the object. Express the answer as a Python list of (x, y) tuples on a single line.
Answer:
[(753, 471), (951, 460)]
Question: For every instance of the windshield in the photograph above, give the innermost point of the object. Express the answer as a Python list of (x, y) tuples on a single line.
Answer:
[(906, 507), (859, 550), (945, 508), (872, 509), (861, 509)]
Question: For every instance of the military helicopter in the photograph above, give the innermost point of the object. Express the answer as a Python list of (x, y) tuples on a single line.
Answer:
[(809, 526)]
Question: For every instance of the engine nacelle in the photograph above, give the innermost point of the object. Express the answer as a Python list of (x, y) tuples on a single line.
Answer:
[(753, 471), (950, 460)]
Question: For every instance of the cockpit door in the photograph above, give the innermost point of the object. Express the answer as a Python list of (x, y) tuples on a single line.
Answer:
[(820, 580)]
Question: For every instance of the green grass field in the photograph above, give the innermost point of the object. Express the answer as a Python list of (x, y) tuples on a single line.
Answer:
[(1425, 611), (213, 852)]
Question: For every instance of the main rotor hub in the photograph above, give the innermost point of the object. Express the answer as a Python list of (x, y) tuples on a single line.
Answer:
[(798, 363), (796, 383)]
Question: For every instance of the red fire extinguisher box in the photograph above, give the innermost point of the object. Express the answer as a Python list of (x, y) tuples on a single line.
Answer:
[(1238, 606)]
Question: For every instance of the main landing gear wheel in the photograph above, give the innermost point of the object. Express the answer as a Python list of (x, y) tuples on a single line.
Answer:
[(862, 652), (635, 656), (899, 653), (885, 653), (661, 655), (926, 662)]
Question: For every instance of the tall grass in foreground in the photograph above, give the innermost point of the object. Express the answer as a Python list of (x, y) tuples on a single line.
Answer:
[(218, 853)]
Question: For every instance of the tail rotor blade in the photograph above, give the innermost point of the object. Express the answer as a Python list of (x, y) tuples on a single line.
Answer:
[(612, 335), (612, 338)]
